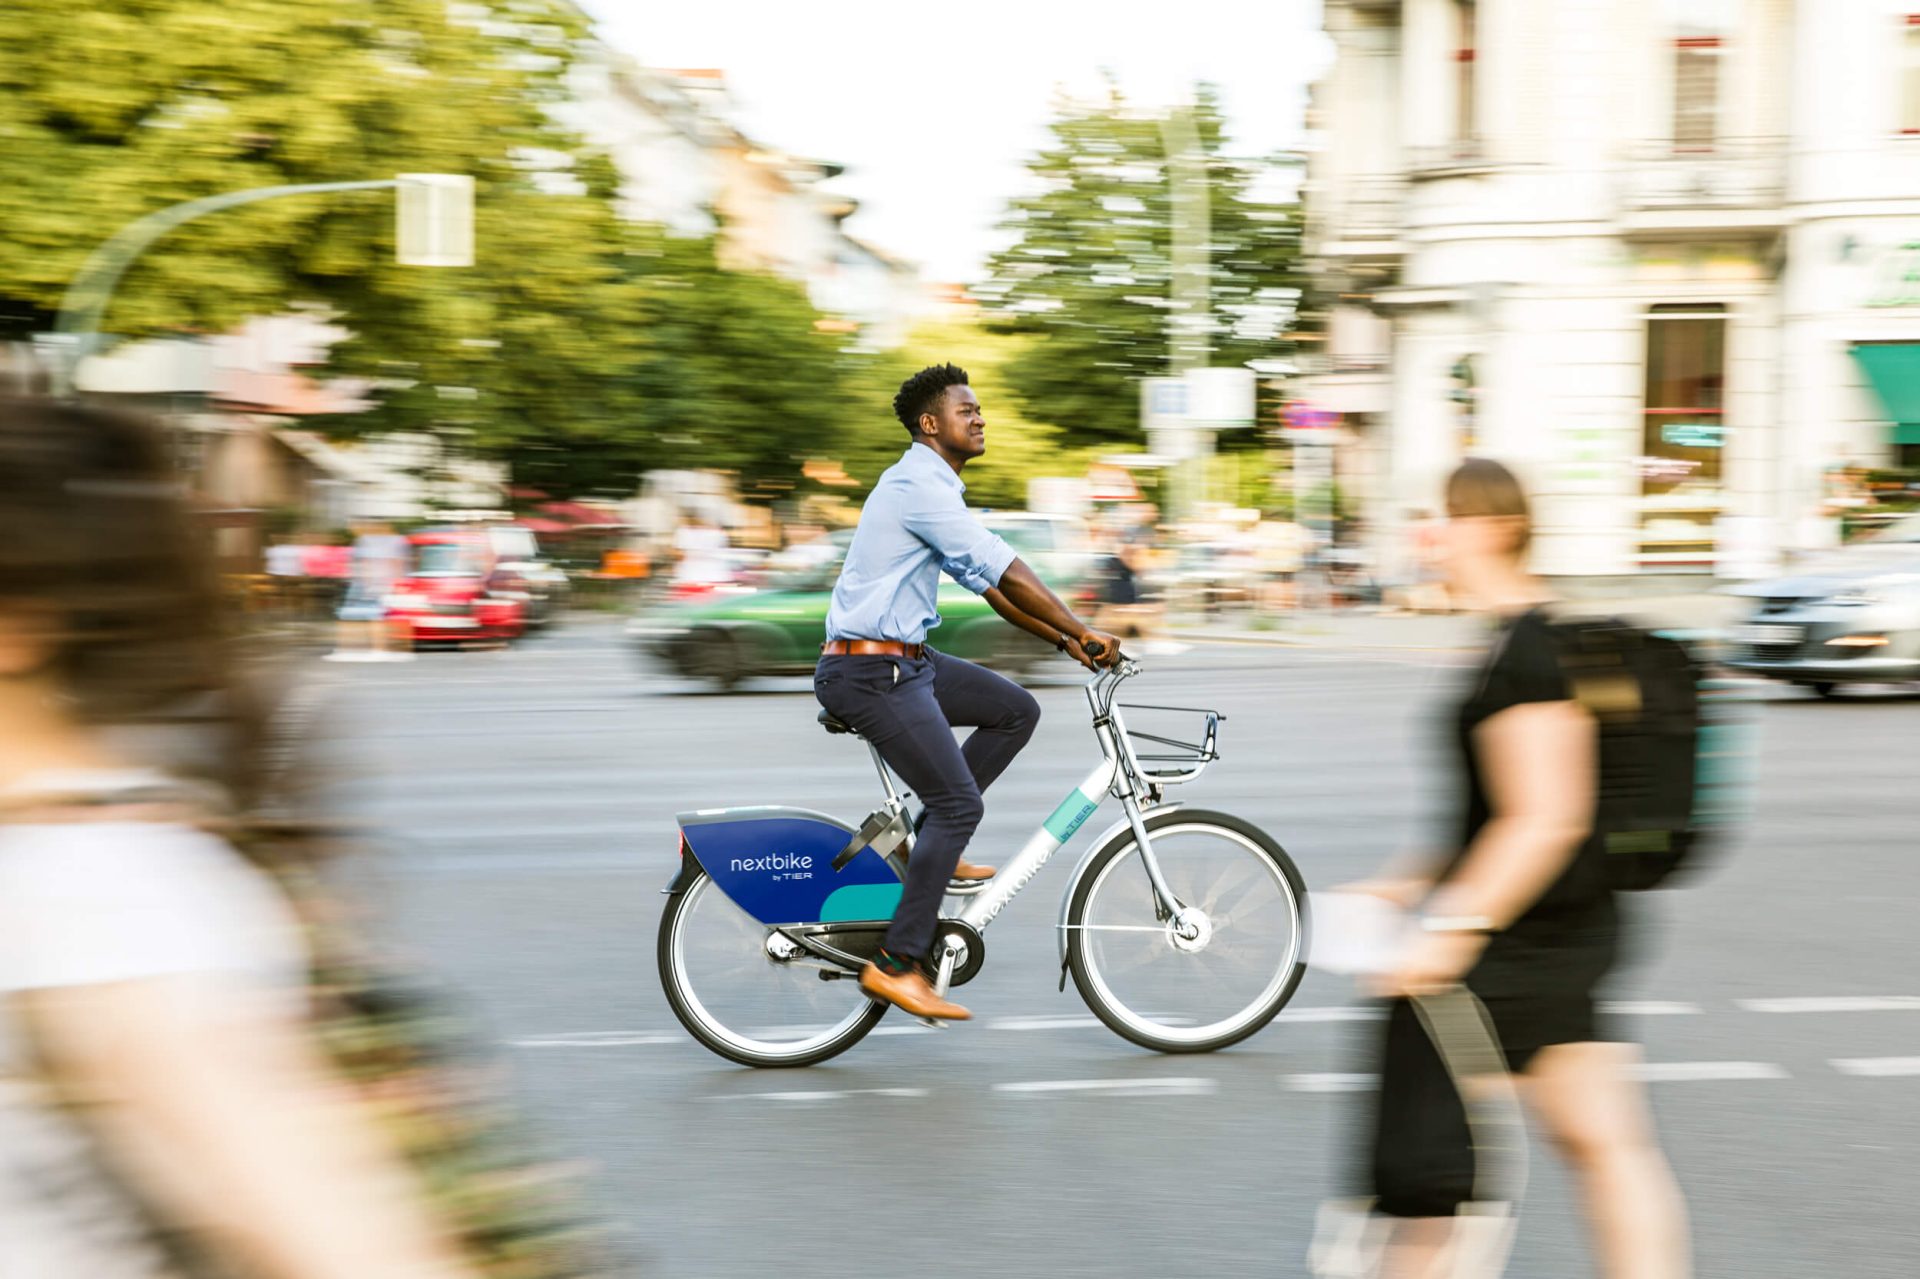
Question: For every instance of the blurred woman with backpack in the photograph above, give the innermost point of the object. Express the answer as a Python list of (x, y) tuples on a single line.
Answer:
[(1519, 913), (171, 1103)]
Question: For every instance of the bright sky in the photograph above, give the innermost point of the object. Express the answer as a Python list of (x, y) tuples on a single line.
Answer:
[(935, 108)]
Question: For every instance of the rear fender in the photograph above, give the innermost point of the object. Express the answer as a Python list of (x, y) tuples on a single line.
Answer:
[(776, 864)]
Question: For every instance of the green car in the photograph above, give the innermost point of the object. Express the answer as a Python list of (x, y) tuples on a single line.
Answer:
[(778, 626)]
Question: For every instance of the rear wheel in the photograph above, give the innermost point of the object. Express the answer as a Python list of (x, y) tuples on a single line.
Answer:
[(717, 657), (1229, 959), (749, 995)]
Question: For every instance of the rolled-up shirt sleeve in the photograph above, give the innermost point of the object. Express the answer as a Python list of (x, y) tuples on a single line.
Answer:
[(969, 553)]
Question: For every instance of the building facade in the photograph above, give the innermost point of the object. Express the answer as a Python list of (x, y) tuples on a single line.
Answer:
[(685, 165), (1663, 255)]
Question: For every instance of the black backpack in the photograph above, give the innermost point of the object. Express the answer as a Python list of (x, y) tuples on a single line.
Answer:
[(1674, 747)]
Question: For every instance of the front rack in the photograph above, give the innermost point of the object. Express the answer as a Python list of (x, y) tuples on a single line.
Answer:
[(1163, 759)]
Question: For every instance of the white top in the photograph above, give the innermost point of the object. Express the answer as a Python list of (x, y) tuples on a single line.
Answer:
[(93, 902), (703, 551)]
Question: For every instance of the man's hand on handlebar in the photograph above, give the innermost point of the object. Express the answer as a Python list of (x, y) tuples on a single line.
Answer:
[(1095, 649)]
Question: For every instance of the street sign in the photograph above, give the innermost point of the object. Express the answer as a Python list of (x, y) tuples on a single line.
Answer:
[(1307, 424)]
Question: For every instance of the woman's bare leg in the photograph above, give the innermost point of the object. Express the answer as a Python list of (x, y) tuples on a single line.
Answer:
[(1597, 1115)]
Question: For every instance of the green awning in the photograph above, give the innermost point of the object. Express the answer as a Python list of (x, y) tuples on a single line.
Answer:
[(1894, 370)]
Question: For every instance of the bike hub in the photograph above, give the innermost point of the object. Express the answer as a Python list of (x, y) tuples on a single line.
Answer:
[(1190, 930)]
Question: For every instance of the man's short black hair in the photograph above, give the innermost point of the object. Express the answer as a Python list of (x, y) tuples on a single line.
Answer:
[(921, 393)]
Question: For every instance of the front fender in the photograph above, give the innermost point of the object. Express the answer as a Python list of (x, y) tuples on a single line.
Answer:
[(1080, 867)]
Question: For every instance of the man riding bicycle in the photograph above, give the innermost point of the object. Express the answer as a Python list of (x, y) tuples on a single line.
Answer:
[(877, 673)]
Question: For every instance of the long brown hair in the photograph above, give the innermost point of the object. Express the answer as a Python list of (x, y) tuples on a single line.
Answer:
[(99, 547), (1483, 487)]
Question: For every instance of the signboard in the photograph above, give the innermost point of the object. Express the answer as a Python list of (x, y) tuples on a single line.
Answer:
[(1163, 403), (1221, 398)]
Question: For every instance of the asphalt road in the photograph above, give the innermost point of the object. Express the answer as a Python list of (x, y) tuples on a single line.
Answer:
[(530, 796)]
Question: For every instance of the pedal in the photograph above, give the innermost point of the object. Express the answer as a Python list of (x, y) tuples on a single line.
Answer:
[(967, 887), (935, 1022)]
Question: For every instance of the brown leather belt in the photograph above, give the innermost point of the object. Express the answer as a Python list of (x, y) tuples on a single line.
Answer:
[(873, 648)]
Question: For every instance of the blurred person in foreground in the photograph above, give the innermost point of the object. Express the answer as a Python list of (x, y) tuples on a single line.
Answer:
[(878, 674), (1521, 914), (164, 1107)]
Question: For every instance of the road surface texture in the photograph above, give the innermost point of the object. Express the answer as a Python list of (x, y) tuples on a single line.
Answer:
[(530, 796)]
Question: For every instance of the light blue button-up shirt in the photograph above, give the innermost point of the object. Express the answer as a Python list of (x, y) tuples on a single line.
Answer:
[(915, 524)]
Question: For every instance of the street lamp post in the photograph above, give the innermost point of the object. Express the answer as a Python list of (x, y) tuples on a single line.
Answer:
[(435, 218), (1190, 284)]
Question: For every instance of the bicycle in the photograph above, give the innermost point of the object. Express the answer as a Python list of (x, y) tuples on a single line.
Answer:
[(1185, 930)]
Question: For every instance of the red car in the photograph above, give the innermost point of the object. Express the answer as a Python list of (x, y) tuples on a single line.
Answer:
[(450, 596)]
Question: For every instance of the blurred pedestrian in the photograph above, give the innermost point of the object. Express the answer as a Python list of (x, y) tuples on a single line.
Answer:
[(163, 1109), (287, 575), (1520, 914), (700, 555), (1280, 554), (380, 560)]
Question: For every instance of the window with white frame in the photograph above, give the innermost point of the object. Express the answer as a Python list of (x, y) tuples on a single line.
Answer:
[(1696, 92), (1910, 76)]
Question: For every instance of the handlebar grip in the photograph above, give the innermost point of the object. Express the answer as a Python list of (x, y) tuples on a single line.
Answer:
[(1094, 649)]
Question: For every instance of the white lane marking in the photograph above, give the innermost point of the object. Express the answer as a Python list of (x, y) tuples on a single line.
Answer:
[(1177, 1086), (1358, 1013), (1877, 1067), (1671, 1072), (1043, 1023), (1649, 1008), (1329, 1081), (599, 1039), (1834, 1004), (823, 1094)]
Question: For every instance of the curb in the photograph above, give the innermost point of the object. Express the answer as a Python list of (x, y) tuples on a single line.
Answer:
[(1281, 641)]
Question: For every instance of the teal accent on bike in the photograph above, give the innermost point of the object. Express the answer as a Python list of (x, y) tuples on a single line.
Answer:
[(1066, 819), (861, 901)]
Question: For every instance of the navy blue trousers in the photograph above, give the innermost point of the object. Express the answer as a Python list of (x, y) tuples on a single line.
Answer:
[(908, 709)]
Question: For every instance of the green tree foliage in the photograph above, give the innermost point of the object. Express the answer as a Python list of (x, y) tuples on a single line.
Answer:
[(580, 348), (1088, 275), (111, 110)]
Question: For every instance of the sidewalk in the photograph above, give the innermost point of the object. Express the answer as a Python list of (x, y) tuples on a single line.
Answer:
[(1366, 629)]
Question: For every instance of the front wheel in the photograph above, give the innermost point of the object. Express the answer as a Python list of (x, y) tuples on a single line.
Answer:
[(1218, 970), (751, 996)]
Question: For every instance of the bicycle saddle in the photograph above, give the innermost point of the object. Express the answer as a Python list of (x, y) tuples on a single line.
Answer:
[(834, 724)]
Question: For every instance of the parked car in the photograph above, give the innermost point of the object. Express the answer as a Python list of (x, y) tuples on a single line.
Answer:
[(519, 566), (778, 628), (453, 593), (1851, 617)]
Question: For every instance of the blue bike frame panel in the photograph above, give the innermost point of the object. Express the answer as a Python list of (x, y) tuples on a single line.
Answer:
[(777, 865)]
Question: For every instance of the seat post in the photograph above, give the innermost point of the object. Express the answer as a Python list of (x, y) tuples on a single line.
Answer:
[(886, 776)]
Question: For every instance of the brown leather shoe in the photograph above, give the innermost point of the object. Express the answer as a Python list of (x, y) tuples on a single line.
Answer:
[(969, 871), (911, 992)]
